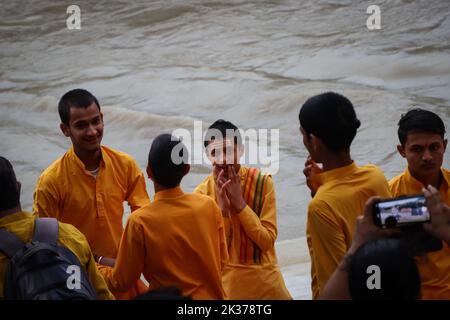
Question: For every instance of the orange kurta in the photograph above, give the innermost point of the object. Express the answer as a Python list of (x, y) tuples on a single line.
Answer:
[(252, 271), (332, 216), (434, 268), (178, 240), (22, 225), (70, 193)]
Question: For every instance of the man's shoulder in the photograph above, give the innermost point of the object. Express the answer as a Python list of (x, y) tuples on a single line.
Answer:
[(117, 155), (396, 180), (371, 169), (258, 176), (446, 173), (57, 168), (205, 186), (69, 232), (199, 198)]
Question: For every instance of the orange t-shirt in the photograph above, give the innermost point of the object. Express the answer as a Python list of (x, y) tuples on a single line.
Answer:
[(71, 194), (434, 268), (177, 240), (332, 216)]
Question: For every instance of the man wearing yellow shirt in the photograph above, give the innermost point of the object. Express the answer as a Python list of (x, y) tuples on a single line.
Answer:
[(178, 240), (87, 186), (21, 223), (340, 188), (422, 143), (246, 197)]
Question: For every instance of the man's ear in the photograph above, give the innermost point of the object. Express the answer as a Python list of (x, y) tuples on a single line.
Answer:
[(65, 129), (149, 173), (445, 144), (401, 150), (316, 142), (187, 168)]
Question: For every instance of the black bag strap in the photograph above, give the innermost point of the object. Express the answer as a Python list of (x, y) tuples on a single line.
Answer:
[(10, 243), (46, 230)]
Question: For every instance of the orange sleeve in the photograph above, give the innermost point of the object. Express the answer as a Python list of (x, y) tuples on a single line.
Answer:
[(46, 199), (327, 245), (130, 259), (97, 280), (262, 230), (137, 196)]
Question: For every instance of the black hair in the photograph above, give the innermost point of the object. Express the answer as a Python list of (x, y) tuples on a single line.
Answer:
[(332, 118), (419, 121), (399, 276), (9, 190), (77, 98), (167, 159), (222, 128)]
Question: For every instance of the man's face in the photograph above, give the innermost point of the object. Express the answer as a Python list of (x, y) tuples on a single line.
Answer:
[(223, 153), (85, 128), (424, 152)]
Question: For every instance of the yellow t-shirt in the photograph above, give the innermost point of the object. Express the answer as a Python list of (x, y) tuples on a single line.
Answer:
[(178, 240), (22, 224), (434, 268), (252, 271), (332, 216), (70, 193)]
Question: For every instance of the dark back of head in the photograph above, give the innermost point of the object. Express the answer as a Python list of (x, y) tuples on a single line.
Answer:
[(398, 274), (419, 121), (9, 190), (77, 98), (167, 160), (332, 118), (224, 130)]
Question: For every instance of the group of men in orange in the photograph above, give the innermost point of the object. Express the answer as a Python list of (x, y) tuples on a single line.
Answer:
[(219, 241)]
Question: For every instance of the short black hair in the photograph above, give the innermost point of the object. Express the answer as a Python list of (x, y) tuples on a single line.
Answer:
[(77, 98), (399, 276), (331, 117), (419, 121), (222, 127), (9, 191), (167, 170)]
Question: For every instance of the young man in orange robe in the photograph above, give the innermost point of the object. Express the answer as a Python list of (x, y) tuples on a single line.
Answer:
[(87, 186)]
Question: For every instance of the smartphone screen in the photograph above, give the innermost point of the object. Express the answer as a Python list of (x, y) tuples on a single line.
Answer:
[(402, 211)]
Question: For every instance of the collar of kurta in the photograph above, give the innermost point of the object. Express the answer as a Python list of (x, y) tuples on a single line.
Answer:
[(79, 165), (169, 193), (14, 217), (337, 173), (416, 184)]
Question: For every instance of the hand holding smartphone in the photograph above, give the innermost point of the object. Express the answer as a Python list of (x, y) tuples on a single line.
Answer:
[(408, 214)]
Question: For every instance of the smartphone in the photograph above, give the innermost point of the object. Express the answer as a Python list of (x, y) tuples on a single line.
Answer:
[(408, 213), (402, 211)]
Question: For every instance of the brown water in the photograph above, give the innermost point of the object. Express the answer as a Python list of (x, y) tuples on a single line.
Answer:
[(157, 66)]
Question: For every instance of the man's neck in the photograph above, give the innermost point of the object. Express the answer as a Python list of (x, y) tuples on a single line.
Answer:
[(5, 213), (158, 187), (434, 179), (90, 159), (336, 160)]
